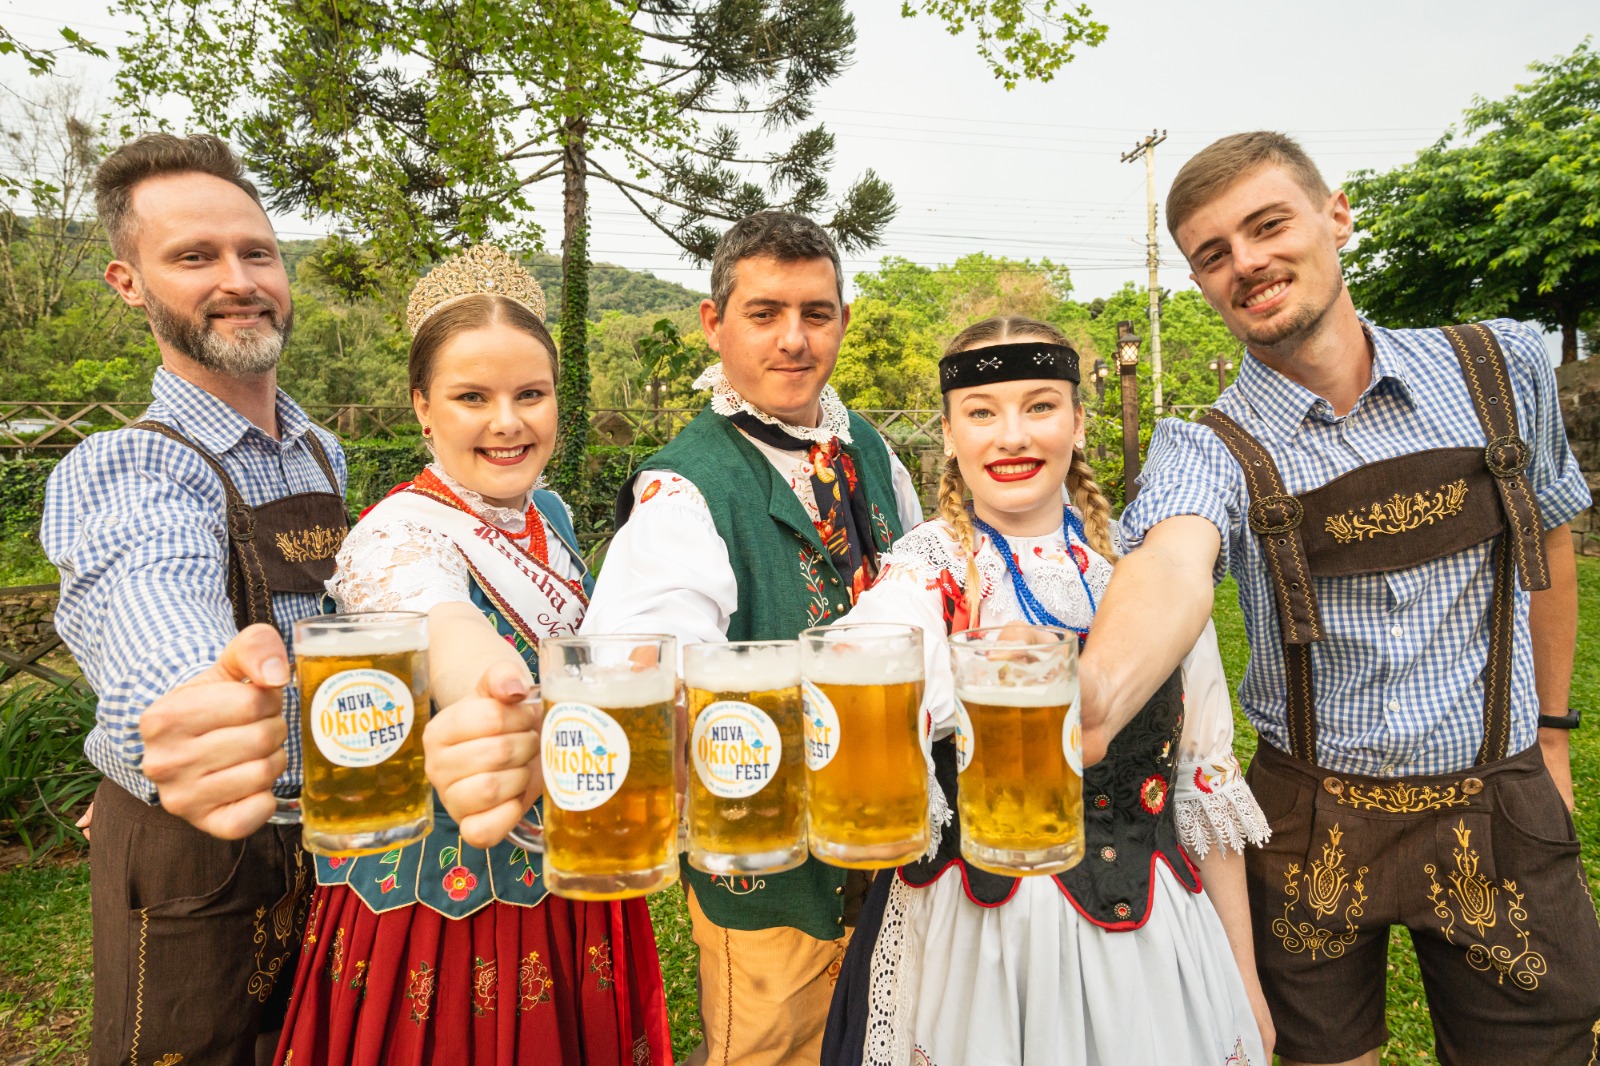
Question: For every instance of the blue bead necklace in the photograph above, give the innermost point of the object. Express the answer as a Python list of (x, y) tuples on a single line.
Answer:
[(1032, 610)]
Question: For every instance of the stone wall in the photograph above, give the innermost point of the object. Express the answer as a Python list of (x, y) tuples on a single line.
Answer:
[(1580, 409), (26, 615)]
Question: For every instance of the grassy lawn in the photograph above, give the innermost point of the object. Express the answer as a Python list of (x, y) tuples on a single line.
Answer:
[(44, 919)]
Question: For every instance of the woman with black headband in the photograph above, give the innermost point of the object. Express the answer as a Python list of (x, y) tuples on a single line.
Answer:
[(1124, 958)]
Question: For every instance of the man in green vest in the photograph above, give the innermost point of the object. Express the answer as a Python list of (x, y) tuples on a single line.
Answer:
[(720, 538)]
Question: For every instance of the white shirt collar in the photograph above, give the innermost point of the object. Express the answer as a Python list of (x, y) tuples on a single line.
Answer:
[(726, 401)]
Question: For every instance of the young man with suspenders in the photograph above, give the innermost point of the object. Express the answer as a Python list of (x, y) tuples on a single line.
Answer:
[(1393, 504)]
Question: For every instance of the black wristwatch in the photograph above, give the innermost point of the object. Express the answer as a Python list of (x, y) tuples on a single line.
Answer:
[(1559, 721)]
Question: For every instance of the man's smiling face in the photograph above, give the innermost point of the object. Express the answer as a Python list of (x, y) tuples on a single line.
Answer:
[(1266, 255)]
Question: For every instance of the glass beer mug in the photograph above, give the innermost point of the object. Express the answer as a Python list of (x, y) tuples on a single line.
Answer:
[(1018, 748), (747, 788), (363, 703), (606, 746), (866, 768)]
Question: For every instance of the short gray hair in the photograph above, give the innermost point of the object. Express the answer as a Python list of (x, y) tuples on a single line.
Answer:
[(780, 235), (157, 155)]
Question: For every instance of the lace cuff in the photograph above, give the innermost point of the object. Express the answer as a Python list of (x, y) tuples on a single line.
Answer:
[(1228, 817), (398, 566)]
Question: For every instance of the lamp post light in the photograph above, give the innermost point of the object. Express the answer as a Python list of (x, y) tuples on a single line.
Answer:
[(1099, 375), (1128, 366), (1221, 366)]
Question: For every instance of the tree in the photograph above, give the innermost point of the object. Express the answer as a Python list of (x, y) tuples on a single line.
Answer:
[(1508, 224), (1017, 39), (43, 60), (423, 125)]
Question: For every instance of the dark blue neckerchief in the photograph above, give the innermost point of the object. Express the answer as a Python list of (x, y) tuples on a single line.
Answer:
[(1032, 609)]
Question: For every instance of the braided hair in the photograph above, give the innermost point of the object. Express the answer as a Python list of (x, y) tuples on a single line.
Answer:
[(1081, 483)]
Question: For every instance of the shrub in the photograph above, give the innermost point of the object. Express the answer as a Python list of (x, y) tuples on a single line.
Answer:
[(45, 779)]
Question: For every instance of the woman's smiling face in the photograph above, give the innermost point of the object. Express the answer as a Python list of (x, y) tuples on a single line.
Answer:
[(1014, 442), (491, 406)]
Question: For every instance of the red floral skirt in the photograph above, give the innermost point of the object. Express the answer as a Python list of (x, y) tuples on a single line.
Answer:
[(562, 982)]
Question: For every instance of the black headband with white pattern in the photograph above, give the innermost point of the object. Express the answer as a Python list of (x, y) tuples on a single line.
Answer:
[(1008, 362)]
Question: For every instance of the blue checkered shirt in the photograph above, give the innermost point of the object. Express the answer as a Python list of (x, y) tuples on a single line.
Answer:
[(1399, 688), (135, 523)]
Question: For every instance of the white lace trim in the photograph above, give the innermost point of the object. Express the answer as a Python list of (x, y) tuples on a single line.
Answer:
[(397, 566), (1229, 818), (1048, 567), (891, 993), (939, 814), (726, 401), (510, 519)]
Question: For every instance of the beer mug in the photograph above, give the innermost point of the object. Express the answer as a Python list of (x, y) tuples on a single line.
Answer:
[(747, 787), (866, 767), (606, 746), (363, 704), (1019, 748)]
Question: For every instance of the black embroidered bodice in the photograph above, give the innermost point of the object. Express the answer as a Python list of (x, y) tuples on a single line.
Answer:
[(1127, 821)]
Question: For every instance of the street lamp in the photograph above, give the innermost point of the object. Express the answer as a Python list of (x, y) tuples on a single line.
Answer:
[(1221, 366), (1099, 375), (1128, 365)]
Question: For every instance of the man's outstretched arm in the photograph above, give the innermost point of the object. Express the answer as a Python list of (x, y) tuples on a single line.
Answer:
[(1158, 602)]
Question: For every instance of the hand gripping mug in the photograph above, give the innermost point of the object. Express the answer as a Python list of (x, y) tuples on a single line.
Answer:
[(866, 767), (607, 747), (747, 787), (363, 704), (1019, 748)]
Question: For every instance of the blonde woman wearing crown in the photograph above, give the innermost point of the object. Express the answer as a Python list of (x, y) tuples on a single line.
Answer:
[(442, 952)]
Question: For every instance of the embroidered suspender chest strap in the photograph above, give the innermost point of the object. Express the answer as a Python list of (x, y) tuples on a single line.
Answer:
[(1507, 455), (1275, 518)]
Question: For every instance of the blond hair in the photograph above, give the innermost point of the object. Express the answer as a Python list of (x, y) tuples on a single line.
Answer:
[(1081, 484), (1225, 161)]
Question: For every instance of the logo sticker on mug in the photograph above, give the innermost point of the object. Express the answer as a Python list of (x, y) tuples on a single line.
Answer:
[(964, 737), (361, 717), (736, 748), (821, 726), (1072, 738), (584, 753)]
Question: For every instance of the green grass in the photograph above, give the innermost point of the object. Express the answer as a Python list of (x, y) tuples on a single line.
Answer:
[(44, 910)]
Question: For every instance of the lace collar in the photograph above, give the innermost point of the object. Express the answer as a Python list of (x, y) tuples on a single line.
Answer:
[(510, 519), (725, 401)]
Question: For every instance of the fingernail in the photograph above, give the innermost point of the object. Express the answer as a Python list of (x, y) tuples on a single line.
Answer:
[(275, 671)]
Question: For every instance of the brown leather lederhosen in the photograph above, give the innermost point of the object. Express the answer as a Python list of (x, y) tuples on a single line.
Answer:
[(196, 939), (1445, 855)]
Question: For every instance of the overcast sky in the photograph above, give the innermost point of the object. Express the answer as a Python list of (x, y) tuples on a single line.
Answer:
[(1035, 172)]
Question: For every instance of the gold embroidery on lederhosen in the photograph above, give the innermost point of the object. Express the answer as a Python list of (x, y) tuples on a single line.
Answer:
[(265, 979), (171, 1059), (1325, 885), (138, 990), (1398, 514), (1477, 904), (309, 545), (1401, 798)]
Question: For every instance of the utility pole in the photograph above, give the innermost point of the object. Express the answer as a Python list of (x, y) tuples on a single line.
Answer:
[(1147, 149)]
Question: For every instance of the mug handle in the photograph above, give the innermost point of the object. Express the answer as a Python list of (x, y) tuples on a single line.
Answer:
[(528, 835), (287, 811)]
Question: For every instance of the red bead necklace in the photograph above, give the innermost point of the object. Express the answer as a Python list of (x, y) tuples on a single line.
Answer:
[(537, 545)]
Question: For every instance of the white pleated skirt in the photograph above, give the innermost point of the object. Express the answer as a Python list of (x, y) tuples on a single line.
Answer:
[(1033, 983)]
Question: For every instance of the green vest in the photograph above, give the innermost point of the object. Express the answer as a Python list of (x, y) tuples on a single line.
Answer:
[(787, 582)]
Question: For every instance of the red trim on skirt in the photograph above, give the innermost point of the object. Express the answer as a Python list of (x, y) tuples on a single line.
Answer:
[(562, 982)]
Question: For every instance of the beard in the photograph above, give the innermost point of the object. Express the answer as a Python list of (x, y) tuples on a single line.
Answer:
[(1294, 325), (252, 351)]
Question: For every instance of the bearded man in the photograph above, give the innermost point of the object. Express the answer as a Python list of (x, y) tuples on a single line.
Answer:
[(188, 545)]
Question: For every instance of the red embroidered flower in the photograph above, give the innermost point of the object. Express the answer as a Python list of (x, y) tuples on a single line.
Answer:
[(527, 877), (459, 882), (1080, 557), (650, 490), (337, 861), (1153, 794), (387, 884), (849, 470), (1200, 779)]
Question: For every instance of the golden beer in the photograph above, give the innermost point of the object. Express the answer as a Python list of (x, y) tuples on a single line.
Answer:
[(1020, 788), (867, 773), (747, 787), (363, 704), (607, 746)]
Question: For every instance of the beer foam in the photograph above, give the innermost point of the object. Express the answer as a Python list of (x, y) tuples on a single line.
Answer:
[(756, 670), (609, 687), (869, 667), (1058, 694), (355, 643)]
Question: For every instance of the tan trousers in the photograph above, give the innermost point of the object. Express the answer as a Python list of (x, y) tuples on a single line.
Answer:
[(764, 994)]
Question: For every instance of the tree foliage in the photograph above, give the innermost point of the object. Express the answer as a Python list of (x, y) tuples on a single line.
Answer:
[(1505, 222), (43, 60), (1017, 39)]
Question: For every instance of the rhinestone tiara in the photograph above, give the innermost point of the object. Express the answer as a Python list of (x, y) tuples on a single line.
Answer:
[(482, 269)]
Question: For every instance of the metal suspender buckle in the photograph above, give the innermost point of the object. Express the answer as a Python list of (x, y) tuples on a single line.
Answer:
[(1271, 515), (1506, 456)]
